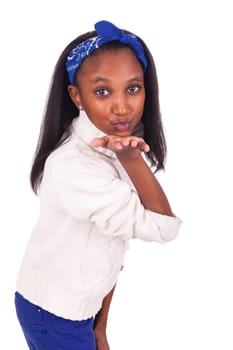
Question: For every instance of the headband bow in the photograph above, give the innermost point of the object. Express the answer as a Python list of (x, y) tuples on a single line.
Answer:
[(106, 32)]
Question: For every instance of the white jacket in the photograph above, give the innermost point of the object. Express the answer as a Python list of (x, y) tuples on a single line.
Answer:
[(89, 210)]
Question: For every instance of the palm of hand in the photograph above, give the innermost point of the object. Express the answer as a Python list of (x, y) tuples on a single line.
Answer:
[(120, 144)]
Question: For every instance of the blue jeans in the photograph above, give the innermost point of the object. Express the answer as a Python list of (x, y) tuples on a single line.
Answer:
[(45, 331)]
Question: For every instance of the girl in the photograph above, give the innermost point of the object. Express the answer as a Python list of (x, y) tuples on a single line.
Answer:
[(97, 191)]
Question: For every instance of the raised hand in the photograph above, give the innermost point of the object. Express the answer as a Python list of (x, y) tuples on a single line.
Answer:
[(120, 144)]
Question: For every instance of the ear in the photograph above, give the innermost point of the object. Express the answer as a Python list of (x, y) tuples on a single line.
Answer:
[(75, 96)]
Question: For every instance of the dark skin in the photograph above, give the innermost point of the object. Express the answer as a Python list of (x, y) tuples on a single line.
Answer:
[(100, 325), (110, 88)]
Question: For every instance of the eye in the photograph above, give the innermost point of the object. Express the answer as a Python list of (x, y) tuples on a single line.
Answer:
[(133, 89), (102, 92)]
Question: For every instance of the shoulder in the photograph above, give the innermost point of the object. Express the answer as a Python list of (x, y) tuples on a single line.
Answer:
[(76, 162)]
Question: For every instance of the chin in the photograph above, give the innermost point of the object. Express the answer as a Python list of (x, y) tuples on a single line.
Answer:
[(123, 133)]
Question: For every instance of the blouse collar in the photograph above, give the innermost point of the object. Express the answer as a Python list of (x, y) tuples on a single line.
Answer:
[(87, 131)]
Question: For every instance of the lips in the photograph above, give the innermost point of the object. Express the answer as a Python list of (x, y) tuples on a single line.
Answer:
[(121, 126)]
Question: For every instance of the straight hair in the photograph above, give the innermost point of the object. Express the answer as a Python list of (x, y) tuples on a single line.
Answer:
[(60, 112)]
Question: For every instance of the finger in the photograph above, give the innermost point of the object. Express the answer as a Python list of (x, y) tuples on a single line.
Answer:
[(140, 144), (118, 145), (125, 142), (144, 146), (99, 141), (134, 143)]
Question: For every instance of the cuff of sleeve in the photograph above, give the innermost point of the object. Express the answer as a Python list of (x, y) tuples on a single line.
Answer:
[(168, 226)]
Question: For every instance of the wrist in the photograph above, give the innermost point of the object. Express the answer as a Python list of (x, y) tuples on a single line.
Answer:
[(129, 155)]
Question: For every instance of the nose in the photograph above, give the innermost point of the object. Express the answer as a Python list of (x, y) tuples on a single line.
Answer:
[(120, 105)]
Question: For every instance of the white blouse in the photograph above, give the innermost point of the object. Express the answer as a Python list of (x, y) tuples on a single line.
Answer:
[(89, 210)]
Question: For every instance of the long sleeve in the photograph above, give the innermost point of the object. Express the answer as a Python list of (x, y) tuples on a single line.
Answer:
[(89, 209), (91, 189)]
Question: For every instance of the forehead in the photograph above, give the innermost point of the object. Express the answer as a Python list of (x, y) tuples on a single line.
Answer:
[(113, 60)]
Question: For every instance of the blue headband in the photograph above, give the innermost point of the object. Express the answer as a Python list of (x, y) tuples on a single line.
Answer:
[(106, 32)]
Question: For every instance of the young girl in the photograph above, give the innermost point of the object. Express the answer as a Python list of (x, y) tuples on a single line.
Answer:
[(101, 135)]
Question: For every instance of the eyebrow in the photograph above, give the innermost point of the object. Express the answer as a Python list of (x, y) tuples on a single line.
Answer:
[(105, 80)]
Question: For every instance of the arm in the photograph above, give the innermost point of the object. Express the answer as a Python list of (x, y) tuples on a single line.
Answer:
[(100, 324), (149, 190), (128, 151)]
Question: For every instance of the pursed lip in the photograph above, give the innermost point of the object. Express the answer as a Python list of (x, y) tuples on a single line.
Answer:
[(121, 125)]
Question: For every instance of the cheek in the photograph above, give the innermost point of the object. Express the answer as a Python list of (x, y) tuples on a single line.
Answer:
[(140, 101), (139, 106), (97, 111)]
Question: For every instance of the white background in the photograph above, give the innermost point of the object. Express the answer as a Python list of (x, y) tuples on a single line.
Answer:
[(177, 296)]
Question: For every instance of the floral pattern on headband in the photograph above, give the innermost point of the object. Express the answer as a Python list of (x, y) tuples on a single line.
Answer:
[(106, 32)]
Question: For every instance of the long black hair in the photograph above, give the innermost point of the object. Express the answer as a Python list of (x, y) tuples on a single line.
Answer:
[(60, 111)]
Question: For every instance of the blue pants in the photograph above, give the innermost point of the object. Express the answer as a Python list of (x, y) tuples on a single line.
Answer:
[(45, 331)]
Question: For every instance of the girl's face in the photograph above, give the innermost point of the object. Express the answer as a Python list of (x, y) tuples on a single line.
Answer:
[(111, 91)]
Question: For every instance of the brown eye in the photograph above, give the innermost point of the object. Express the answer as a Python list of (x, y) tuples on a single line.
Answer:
[(133, 89), (102, 92)]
